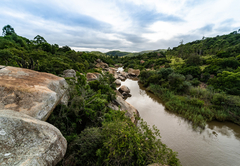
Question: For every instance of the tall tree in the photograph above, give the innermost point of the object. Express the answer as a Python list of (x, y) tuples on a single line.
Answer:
[(7, 30), (39, 39)]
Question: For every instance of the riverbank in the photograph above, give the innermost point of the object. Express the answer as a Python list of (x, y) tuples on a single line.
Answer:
[(196, 104), (215, 145)]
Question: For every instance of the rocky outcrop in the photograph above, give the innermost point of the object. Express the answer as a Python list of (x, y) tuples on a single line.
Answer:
[(26, 141), (124, 74), (69, 73), (131, 112), (133, 72), (124, 88), (91, 77), (142, 61), (30, 92), (101, 64)]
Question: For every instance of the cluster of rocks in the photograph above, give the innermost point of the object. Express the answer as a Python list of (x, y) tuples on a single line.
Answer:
[(120, 104), (125, 91), (27, 98), (101, 64)]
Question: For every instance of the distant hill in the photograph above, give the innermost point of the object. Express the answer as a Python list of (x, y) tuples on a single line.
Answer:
[(130, 54), (117, 53)]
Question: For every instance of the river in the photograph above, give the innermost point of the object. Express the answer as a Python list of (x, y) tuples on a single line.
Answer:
[(217, 145)]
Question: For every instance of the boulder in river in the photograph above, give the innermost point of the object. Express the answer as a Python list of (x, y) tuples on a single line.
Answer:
[(124, 88), (26, 141), (30, 92), (117, 82), (136, 72)]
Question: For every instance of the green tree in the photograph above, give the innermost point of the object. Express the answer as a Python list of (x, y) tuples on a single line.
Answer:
[(7, 30), (39, 39)]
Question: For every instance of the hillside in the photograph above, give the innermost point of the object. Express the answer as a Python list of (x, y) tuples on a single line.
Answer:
[(199, 80), (96, 134), (131, 54)]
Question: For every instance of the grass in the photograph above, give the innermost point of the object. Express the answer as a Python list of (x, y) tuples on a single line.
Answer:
[(200, 105)]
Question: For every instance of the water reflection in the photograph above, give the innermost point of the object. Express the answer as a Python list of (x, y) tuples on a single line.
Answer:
[(217, 145)]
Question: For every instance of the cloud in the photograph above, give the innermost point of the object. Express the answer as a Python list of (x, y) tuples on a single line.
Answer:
[(127, 25)]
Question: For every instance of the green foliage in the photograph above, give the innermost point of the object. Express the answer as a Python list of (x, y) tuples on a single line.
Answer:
[(194, 60), (228, 81), (195, 71), (177, 83), (7, 30), (97, 135), (195, 82)]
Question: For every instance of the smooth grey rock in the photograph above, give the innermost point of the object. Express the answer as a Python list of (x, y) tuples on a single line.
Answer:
[(117, 82), (124, 88), (26, 141), (69, 73), (30, 92), (1, 67)]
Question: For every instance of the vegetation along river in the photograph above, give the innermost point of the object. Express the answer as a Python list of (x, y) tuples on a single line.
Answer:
[(217, 145)]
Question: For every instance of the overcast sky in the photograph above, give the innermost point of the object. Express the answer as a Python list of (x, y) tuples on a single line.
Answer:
[(126, 25)]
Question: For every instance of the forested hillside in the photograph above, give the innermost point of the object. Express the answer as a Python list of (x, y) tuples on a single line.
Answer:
[(96, 134), (199, 80), (38, 54)]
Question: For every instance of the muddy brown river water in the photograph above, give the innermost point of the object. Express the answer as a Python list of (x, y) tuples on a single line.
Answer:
[(217, 145)]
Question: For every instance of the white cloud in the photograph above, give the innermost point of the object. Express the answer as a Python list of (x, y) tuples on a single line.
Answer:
[(126, 28)]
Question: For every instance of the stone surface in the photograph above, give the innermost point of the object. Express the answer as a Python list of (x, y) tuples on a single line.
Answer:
[(1, 67), (98, 75), (142, 61), (121, 78), (26, 141), (124, 88), (136, 72), (131, 112), (98, 60), (30, 92), (124, 74), (101, 65), (91, 77), (69, 73), (117, 82)]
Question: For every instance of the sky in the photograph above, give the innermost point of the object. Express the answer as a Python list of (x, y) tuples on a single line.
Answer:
[(125, 25)]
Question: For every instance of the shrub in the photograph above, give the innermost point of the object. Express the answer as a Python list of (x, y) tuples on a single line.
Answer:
[(195, 82)]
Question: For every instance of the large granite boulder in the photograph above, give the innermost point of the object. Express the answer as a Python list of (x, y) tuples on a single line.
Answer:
[(101, 64), (26, 141), (124, 88), (131, 112), (133, 72), (30, 92), (91, 77)]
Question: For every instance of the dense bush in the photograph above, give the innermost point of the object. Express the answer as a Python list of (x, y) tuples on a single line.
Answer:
[(97, 135)]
